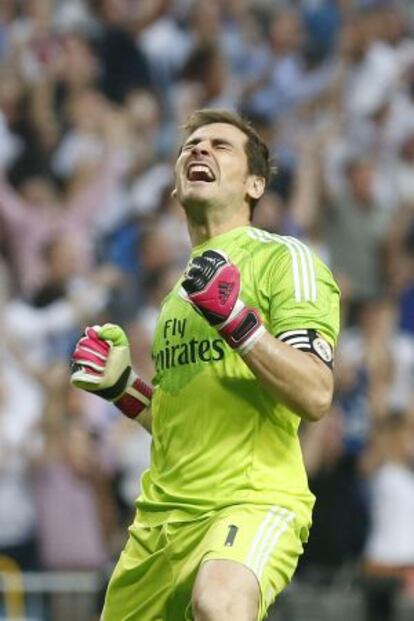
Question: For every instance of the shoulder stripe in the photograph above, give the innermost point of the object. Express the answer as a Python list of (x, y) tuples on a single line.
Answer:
[(303, 268), (297, 267), (314, 291), (305, 280), (295, 270), (308, 268)]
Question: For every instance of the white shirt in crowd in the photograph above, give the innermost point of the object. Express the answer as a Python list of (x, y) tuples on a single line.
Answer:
[(391, 540)]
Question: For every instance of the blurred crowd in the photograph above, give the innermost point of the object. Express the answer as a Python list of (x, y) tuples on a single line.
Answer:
[(93, 96)]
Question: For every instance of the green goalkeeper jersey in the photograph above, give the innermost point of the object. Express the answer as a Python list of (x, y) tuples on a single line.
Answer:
[(219, 438)]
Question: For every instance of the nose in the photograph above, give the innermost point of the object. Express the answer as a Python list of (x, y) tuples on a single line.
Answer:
[(200, 148)]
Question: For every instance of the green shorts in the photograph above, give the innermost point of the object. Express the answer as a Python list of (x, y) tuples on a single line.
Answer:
[(154, 576)]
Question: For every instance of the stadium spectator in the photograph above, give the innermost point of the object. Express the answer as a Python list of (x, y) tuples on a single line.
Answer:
[(69, 481), (388, 565), (352, 213), (335, 479), (124, 65)]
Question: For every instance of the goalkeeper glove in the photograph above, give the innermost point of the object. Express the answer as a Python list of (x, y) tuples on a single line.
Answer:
[(101, 364), (212, 285)]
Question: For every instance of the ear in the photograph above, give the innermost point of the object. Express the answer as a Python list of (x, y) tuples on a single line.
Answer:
[(255, 186), (174, 193)]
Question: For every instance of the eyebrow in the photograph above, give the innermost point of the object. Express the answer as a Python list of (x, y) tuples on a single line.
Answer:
[(214, 141)]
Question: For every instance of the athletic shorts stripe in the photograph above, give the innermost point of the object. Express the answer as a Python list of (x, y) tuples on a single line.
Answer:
[(268, 534), (286, 520), (261, 550), (259, 535)]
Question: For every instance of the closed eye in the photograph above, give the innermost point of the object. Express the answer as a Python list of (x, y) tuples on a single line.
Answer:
[(217, 143), (222, 144)]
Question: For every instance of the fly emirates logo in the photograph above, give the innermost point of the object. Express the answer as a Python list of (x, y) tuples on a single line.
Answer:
[(177, 350)]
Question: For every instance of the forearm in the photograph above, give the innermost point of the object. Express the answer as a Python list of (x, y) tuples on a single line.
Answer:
[(307, 187), (86, 200), (300, 380)]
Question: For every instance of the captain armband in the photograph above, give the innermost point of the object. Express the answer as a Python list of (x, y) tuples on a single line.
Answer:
[(309, 341)]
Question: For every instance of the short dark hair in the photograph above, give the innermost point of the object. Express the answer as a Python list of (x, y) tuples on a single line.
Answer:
[(257, 152)]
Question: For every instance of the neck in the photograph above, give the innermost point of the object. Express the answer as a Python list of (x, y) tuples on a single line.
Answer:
[(214, 223)]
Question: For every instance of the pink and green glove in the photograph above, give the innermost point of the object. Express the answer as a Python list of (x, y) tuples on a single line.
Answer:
[(101, 364), (212, 286)]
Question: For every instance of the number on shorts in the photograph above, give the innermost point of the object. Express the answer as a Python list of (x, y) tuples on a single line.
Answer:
[(231, 535)]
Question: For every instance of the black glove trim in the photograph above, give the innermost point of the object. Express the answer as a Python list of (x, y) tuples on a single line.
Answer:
[(250, 321), (117, 389), (202, 270)]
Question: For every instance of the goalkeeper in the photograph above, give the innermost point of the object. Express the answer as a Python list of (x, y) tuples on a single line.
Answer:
[(243, 351)]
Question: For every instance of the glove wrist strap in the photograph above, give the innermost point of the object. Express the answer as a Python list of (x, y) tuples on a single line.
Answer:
[(136, 398), (243, 330)]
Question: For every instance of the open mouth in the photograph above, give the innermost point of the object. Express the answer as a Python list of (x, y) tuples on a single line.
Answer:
[(200, 172)]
